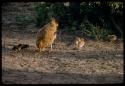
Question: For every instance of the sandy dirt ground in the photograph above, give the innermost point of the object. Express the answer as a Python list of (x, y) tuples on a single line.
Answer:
[(95, 63)]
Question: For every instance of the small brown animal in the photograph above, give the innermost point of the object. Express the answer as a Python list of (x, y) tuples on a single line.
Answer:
[(79, 42), (19, 47), (112, 38), (46, 35)]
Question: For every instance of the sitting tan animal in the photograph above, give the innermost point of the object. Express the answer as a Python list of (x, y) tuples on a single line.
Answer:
[(46, 35), (112, 38), (79, 42)]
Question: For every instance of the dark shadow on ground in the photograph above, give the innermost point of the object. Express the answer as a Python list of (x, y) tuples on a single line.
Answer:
[(24, 77)]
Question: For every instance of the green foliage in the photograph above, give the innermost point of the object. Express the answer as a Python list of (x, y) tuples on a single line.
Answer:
[(24, 20), (96, 32), (47, 10), (41, 11), (116, 5), (94, 20)]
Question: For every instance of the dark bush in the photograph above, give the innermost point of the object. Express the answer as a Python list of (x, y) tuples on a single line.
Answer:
[(99, 19)]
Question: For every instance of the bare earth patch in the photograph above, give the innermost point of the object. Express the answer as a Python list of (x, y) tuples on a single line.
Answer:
[(96, 62)]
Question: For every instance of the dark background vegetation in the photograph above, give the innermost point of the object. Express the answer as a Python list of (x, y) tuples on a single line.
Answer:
[(93, 19)]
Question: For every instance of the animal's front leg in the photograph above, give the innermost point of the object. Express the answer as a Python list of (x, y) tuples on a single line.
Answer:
[(41, 49), (51, 47)]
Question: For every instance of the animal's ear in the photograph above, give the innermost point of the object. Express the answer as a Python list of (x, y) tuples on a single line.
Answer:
[(52, 18), (77, 38)]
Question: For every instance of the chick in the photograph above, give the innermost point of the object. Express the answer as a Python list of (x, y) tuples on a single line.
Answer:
[(112, 38), (79, 42), (46, 35)]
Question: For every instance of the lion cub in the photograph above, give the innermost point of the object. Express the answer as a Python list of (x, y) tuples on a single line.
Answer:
[(79, 42), (46, 35)]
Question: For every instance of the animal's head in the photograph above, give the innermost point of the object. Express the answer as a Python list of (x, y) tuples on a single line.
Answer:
[(77, 39), (112, 37), (54, 22)]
